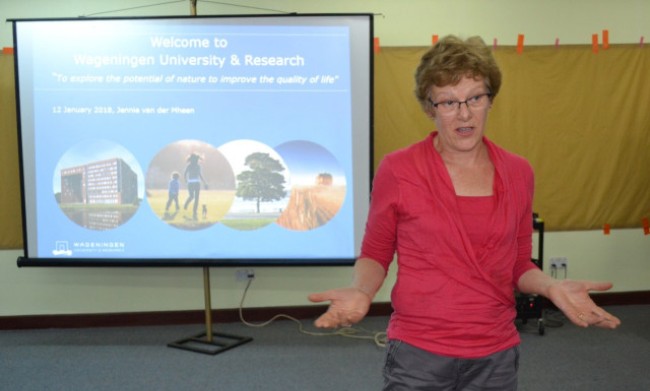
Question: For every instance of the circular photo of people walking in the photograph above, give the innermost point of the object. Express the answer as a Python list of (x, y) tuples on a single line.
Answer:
[(190, 185)]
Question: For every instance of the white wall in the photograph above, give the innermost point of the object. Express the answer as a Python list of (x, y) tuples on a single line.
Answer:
[(622, 257), (398, 23)]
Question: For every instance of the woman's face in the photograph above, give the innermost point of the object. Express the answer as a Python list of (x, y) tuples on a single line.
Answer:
[(460, 129)]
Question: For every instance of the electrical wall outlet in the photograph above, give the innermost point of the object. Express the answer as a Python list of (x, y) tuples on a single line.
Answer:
[(559, 262), (559, 267), (244, 274)]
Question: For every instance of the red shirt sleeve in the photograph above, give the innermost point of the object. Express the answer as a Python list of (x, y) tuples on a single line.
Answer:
[(525, 234), (379, 241)]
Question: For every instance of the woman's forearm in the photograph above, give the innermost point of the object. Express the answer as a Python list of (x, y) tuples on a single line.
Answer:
[(535, 281), (368, 277)]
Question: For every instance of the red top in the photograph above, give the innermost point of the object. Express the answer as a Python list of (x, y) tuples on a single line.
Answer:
[(458, 259)]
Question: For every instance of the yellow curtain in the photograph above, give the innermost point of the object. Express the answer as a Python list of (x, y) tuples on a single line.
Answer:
[(581, 118), (11, 235)]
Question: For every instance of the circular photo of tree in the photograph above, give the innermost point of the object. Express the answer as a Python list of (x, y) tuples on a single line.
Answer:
[(98, 184), (262, 184), (190, 185)]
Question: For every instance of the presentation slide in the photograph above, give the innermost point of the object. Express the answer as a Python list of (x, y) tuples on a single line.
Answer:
[(195, 140)]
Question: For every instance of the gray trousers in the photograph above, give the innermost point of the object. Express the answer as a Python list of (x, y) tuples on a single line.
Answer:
[(408, 368)]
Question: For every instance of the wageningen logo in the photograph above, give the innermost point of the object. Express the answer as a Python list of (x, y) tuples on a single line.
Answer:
[(61, 247)]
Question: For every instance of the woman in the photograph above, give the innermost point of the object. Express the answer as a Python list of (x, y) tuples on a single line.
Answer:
[(457, 211), (193, 178)]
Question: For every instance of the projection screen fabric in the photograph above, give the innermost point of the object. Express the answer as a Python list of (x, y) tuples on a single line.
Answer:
[(195, 140)]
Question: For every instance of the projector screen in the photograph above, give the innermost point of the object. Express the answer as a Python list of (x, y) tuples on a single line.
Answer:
[(213, 141)]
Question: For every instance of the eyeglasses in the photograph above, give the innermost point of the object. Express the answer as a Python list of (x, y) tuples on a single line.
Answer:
[(446, 107)]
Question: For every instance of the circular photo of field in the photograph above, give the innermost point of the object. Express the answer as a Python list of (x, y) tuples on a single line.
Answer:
[(318, 186), (98, 184), (190, 185), (262, 184)]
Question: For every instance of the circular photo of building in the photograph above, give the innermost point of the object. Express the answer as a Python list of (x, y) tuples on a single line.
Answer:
[(262, 186), (190, 185), (98, 184), (318, 185)]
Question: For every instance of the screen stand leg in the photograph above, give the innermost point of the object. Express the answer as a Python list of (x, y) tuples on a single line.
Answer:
[(209, 342)]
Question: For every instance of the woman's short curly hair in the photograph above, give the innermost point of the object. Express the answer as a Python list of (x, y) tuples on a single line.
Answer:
[(451, 59)]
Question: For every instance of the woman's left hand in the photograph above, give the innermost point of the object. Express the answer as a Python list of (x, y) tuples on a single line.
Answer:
[(572, 298)]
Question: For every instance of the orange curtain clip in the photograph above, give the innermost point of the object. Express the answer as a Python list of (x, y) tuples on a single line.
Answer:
[(594, 43), (520, 43)]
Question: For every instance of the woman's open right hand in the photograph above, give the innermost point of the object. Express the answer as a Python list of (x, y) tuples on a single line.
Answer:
[(347, 307)]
